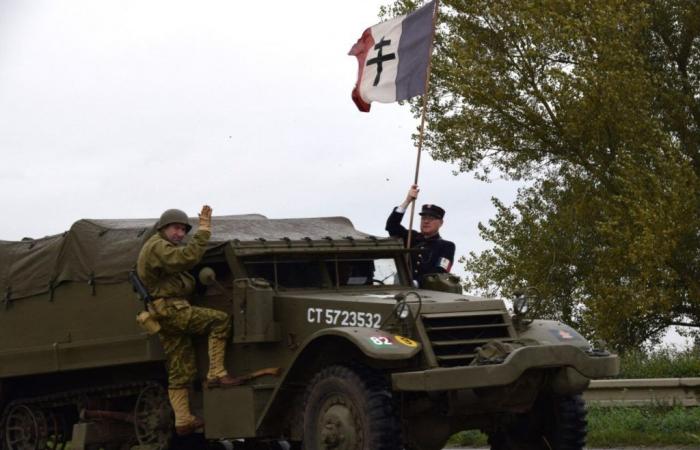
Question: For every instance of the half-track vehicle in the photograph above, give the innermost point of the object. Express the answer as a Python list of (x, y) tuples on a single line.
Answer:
[(366, 360)]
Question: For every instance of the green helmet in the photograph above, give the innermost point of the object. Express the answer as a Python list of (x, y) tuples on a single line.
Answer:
[(173, 216)]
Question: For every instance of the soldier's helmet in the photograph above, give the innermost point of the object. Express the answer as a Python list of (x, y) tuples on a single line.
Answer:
[(173, 216)]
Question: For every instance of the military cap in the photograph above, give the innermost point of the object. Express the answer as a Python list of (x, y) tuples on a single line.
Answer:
[(432, 211)]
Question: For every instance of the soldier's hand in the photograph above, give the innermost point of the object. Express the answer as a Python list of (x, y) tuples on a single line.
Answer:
[(205, 218)]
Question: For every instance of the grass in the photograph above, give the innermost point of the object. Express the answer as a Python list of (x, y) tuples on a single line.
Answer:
[(654, 425), (609, 427), (469, 438)]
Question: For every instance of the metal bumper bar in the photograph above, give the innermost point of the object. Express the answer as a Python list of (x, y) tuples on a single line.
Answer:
[(517, 362)]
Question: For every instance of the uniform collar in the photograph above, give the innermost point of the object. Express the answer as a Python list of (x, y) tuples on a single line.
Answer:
[(435, 237)]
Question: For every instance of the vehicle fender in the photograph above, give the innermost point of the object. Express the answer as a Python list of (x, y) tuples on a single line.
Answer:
[(375, 344), (552, 332)]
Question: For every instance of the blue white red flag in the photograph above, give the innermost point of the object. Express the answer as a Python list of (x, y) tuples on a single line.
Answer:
[(393, 58)]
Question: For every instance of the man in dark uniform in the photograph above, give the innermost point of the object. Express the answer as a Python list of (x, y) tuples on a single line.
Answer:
[(436, 254)]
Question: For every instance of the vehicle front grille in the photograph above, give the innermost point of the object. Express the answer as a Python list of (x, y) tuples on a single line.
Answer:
[(455, 336)]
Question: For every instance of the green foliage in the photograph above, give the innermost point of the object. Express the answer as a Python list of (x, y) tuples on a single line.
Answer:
[(469, 438), (597, 106), (660, 363), (612, 265), (643, 426)]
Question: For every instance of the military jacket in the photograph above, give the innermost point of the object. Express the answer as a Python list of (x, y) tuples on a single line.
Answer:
[(163, 266), (436, 255)]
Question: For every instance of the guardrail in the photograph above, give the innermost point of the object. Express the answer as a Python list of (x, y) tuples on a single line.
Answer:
[(639, 392)]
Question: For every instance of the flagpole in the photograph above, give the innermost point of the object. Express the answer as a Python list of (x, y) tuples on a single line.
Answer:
[(422, 122)]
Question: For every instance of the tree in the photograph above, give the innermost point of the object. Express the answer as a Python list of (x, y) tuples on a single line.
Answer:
[(597, 106)]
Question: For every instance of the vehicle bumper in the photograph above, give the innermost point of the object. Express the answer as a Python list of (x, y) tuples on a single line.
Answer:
[(515, 364)]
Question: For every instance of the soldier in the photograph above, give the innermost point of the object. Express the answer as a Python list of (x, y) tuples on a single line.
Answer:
[(436, 254), (162, 266)]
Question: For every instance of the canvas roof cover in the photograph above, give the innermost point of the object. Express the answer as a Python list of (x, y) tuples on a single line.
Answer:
[(103, 251)]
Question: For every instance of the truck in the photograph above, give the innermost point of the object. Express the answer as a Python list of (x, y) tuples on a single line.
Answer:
[(362, 359)]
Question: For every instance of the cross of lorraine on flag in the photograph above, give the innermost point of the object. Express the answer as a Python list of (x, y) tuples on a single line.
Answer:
[(393, 58)]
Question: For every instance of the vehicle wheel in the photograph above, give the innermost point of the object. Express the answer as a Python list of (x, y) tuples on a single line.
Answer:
[(554, 423), (280, 445), (350, 409), (263, 444), (153, 417), (24, 429)]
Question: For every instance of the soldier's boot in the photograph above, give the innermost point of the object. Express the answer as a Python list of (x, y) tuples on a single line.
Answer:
[(218, 376), (185, 422)]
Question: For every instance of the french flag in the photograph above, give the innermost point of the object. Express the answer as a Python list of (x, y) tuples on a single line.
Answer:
[(393, 58)]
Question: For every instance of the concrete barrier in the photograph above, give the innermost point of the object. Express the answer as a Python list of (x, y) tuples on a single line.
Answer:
[(639, 392)]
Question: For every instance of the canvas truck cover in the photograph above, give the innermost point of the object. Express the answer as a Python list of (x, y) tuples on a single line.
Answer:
[(103, 251)]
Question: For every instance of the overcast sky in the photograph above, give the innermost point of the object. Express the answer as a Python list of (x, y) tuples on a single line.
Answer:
[(121, 109)]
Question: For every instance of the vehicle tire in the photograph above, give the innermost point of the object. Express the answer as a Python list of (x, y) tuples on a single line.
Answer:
[(153, 417), (23, 428), (262, 444), (350, 409), (554, 423)]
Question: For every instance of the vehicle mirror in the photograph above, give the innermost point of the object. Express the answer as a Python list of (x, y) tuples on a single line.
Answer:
[(520, 304)]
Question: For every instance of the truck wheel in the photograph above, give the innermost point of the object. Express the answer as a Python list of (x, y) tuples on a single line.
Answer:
[(350, 409), (24, 428), (153, 417), (555, 422)]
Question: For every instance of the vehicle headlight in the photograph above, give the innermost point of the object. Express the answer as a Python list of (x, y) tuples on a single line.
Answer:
[(402, 310)]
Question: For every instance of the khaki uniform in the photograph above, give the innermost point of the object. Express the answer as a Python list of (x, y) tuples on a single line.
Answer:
[(163, 266)]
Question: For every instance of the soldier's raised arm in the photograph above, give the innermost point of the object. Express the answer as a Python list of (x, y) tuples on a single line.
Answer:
[(174, 258)]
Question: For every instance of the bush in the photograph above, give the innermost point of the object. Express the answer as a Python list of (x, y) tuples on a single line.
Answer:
[(665, 362), (624, 426)]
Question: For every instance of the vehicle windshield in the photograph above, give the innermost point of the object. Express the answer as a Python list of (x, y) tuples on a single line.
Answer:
[(324, 271)]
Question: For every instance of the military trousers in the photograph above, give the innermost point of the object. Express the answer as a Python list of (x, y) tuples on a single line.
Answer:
[(179, 321)]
